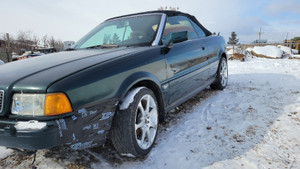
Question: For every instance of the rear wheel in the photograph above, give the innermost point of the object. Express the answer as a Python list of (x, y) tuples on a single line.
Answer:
[(222, 75), (135, 124)]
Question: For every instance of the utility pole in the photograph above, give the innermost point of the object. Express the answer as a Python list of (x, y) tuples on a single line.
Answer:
[(259, 34), (7, 47)]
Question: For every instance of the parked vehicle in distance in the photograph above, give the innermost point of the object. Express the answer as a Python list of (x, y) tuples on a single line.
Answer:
[(14, 56), (1, 62), (121, 78), (29, 54)]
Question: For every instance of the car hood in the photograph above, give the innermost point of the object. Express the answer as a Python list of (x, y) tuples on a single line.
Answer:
[(36, 74)]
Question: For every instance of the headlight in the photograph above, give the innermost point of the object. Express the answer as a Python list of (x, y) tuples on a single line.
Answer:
[(40, 104), (28, 104)]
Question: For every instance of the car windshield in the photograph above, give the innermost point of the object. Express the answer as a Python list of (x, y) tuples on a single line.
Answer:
[(128, 31)]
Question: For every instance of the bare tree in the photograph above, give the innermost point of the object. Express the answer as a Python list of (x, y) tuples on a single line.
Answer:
[(24, 41), (36, 40), (51, 42), (27, 40), (45, 41), (5, 47), (54, 43), (59, 45)]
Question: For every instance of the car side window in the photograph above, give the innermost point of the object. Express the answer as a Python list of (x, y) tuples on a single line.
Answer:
[(177, 24), (199, 30)]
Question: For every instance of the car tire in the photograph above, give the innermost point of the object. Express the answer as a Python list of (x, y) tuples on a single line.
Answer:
[(135, 123), (222, 75)]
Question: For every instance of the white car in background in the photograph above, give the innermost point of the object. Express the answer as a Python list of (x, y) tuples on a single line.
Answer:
[(1, 62)]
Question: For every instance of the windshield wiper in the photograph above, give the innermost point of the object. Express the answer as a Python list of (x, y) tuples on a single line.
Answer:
[(103, 46)]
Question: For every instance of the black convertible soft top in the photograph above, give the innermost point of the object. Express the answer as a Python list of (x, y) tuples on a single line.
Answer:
[(171, 13)]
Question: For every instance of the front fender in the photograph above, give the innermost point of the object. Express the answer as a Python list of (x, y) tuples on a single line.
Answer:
[(223, 49), (135, 78)]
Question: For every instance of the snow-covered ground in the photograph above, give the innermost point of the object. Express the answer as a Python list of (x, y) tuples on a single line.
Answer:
[(286, 49), (269, 51), (296, 56), (253, 123)]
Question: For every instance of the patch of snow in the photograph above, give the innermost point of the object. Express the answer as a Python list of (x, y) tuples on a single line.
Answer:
[(4, 152), (230, 46), (248, 55), (241, 51), (128, 155), (286, 49), (249, 49), (296, 56), (30, 125), (129, 98), (294, 51), (235, 49), (270, 51), (230, 52)]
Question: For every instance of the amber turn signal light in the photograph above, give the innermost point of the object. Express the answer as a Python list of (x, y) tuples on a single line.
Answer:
[(56, 104)]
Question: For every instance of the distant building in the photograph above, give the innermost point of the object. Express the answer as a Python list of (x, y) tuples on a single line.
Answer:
[(293, 44), (260, 41)]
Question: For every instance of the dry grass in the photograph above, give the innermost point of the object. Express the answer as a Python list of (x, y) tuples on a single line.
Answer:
[(262, 56), (294, 58), (237, 56)]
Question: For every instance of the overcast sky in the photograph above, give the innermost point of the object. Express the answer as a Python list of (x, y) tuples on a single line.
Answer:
[(71, 19)]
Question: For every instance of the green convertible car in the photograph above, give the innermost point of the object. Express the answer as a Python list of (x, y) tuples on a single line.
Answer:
[(119, 80)]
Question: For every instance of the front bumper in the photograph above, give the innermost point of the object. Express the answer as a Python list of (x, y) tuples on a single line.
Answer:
[(85, 128), (28, 139)]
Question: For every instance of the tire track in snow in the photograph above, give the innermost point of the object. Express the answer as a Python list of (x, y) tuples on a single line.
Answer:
[(207, 117)]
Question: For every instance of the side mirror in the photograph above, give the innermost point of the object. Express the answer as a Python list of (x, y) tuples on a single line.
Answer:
[(177, 37)]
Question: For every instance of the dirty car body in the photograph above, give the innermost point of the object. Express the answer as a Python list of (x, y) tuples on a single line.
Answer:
[(168, 52)]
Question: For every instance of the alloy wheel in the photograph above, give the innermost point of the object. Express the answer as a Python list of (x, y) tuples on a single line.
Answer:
[(146, 121), (224, 73)]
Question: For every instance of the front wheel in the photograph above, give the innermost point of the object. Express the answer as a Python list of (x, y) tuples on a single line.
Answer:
[(135, 123), (222, 75)]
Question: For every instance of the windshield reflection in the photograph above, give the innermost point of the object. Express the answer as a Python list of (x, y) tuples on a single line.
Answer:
[(128, 31)]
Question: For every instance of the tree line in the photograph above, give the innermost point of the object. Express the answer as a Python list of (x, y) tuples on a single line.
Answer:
[(29, 41)]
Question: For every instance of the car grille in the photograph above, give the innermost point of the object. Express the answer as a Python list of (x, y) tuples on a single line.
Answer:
[(1, 100)]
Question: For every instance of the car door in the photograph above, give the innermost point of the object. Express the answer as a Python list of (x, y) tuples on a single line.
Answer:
[(211, 50), (186, 62)]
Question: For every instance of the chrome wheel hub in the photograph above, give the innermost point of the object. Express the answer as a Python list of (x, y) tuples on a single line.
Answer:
[(224, 73), (146, 121)]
